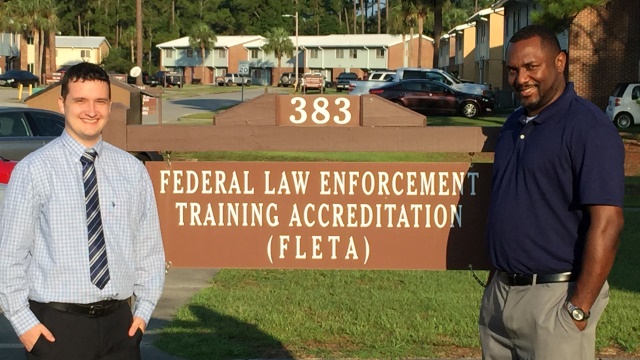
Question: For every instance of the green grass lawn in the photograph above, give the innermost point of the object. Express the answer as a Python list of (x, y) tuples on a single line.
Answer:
[(191, 90), (367, 314), (370, 314)]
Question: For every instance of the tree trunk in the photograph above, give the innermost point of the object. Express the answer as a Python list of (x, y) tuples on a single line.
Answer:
[(386, 15), (437, 30), (52, 50), (411, 32), (133, 59), (139, 38), (379, 18), (346, 19), (362, 15), (420, 29), (280, 70), (404, 49), (355, 12), (173, 12), (202, 78), (79, 26)]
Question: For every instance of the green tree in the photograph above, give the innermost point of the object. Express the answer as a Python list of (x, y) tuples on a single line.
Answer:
[(401, 20), (278, 43), (202, 37), (558, 14)]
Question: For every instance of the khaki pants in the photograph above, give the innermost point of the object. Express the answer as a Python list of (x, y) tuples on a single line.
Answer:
[(531, 322)]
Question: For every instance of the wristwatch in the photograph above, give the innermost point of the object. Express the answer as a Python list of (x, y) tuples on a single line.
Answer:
[(576, 313)]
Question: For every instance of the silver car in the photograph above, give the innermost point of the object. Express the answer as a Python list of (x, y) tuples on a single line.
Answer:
[(23, 130)]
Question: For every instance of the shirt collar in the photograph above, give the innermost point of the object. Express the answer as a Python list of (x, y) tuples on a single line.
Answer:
[(552, 109), (78, 149)]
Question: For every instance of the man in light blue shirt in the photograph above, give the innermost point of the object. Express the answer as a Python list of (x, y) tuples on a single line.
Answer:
[(79, 238)]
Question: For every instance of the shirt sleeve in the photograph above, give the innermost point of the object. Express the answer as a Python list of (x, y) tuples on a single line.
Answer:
[(599, 164), (150, 260), (21, 209)]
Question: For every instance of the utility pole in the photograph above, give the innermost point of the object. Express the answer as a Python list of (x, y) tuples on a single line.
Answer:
[(139, 39)]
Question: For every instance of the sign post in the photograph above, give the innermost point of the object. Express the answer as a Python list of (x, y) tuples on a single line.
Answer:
[(243, 70)]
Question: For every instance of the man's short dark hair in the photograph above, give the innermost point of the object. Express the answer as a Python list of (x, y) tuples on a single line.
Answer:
[(547, 37), (83, 71)]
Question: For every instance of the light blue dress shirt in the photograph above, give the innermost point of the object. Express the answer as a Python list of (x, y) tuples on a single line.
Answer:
[(44, 254)]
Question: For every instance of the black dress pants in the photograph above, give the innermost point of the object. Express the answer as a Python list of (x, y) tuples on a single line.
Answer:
[(79, 337)]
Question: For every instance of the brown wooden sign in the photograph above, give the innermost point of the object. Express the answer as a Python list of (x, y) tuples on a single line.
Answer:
[(323, 215), (318, 110)]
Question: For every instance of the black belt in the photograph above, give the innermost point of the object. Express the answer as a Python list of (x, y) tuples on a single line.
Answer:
[(532, 279), (93, 310)]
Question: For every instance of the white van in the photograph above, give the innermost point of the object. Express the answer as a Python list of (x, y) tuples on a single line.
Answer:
[(624, 105)]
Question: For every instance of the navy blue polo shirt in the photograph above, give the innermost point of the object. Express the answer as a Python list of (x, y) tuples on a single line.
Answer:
[(544, 174)]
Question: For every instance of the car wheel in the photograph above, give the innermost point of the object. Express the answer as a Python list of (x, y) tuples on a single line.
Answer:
[(339, 90), (470, 110), (248, 83), (285, 79), (623, 120)]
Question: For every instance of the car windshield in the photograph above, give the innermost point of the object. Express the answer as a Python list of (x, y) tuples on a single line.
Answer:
[(348, 76), (453, 77), (619, 90)]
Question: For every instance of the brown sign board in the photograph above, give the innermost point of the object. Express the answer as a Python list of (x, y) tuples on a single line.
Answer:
[(322, 215), (315, 110)]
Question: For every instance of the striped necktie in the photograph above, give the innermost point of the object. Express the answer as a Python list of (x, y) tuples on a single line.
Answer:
[(97, 249)]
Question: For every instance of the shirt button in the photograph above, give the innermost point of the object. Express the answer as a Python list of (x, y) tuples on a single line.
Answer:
[(521, 136)]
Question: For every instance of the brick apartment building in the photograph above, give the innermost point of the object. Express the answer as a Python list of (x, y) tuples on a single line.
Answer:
[(604, 49)]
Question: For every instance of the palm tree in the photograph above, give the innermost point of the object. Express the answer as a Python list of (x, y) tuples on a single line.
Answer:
[(30, 17), (280, 44), (401, 21), (420, 11), (203, 38)]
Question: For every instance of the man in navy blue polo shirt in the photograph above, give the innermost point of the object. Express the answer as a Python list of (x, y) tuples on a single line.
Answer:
[(555, 215)]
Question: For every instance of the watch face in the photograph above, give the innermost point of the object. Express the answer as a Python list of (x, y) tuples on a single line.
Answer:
[(577, 314)]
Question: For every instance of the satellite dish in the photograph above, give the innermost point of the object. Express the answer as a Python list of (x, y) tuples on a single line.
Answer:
[(135, 71)]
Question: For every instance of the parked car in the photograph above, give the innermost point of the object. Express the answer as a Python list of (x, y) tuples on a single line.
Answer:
[(165, 79), (15, 77), (146, 79), (342, 81), (624, 105), (234, 78), (6, 167), (433, 97), (382, 76), (24, 130), (288, 79)]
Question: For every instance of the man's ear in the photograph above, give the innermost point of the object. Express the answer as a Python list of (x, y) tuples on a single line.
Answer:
[(561, 61), (61, 104)]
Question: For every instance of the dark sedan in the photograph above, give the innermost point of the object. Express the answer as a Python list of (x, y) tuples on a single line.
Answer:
[(24, 130), (432, 97), (15, 77)]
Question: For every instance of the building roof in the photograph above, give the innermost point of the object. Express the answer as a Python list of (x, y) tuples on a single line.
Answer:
[(223, 41), (80, 41), (336, 41), (480, 15), (459, 28)]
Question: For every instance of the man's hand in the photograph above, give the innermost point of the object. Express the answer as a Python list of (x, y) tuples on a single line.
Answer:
[(29, 338), (137, 323)]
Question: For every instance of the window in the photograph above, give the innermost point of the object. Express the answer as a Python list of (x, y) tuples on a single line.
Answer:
[(31, 67), (482, 33), (13, 124), (46, 126), (189, 53), (85, 53), (380, 53), (353, 54), (313, 53), (168, 53), (222, 53), (254, 53), (339, 53), (635, 93), (29, 40)]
